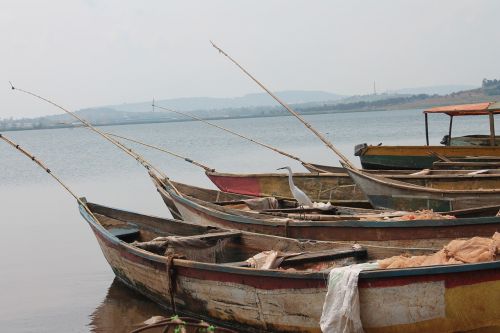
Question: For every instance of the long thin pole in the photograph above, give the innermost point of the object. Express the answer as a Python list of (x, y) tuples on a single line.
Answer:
[(239, 135), (426, 129), (289, 109), (492, 128), (449, 131), (42, 165), (127, 150), (187, 159)]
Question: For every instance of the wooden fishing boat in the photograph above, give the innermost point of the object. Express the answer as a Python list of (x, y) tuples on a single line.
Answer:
[(211, 281), (226, 210), (420, 157), (339, 188), (466, 163), (392, 194)]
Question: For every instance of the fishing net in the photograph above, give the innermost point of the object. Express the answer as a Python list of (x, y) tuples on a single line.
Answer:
[(473, 250), (425, 214)]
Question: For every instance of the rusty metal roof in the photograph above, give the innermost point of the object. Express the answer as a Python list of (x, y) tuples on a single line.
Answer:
[(476, 109)]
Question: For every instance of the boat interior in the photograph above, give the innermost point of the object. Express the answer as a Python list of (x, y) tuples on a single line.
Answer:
[(230, 247), (269, 206)]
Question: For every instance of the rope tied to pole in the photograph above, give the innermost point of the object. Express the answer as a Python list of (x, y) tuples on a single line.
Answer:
[(289, 109), (187, 159), (117, 143), (265, 145)]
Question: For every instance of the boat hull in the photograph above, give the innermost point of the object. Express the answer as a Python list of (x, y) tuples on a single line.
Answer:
[(333, 187), (424, 233), (339, 188), (389, 194), (427, 299), (416, 157)]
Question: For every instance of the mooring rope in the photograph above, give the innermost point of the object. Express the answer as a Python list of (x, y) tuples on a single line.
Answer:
[(289, 109)]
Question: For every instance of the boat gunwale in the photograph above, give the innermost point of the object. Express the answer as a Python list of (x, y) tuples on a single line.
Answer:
[(425, 147)]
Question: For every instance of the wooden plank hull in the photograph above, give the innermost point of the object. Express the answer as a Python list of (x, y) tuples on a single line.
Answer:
[(391, 233), (416, 157), (319, 187), (339, 188), (426, 299), (387, 193)]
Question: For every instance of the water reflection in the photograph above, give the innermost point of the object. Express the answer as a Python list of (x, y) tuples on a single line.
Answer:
[(122, 310)]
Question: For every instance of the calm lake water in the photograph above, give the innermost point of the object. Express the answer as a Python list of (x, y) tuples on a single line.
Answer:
[(53, 275)]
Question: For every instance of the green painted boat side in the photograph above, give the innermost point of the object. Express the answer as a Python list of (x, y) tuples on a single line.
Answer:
[(391, 162)]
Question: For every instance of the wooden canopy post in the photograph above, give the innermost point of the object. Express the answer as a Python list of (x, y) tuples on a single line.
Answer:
[(449, 130), (492, 128), (426, 129)]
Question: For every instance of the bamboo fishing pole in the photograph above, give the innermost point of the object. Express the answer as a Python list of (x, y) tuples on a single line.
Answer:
[(289, 109), (187, 159), (42, 165), (241, 136), (117, 143)]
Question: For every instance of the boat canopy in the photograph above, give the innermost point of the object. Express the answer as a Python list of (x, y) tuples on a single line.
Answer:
[(476, 109), (467, 109)]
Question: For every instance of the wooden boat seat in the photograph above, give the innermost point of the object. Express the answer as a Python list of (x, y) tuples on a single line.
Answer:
[(125, 234), (312, 257)]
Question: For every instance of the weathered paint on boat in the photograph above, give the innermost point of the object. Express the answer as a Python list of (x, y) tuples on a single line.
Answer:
[(416, 157), (414, 233), (340, 189), (336, 187), (388, 193), (454, 298)]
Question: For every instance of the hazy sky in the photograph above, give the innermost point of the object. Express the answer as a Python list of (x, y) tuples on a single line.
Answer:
[(97, 52)]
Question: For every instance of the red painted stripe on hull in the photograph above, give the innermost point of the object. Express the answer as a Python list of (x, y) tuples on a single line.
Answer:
[(256, 281), (239, 185)]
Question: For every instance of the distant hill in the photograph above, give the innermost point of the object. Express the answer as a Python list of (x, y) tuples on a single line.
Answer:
[(462, 97), (262, 105), (217, 103), (435, 90), (405, 101)]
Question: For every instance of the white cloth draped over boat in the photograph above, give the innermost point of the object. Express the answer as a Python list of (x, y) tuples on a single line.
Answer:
[(341, 310)]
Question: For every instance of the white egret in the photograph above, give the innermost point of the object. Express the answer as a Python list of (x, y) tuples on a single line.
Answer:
[(302, 199)]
